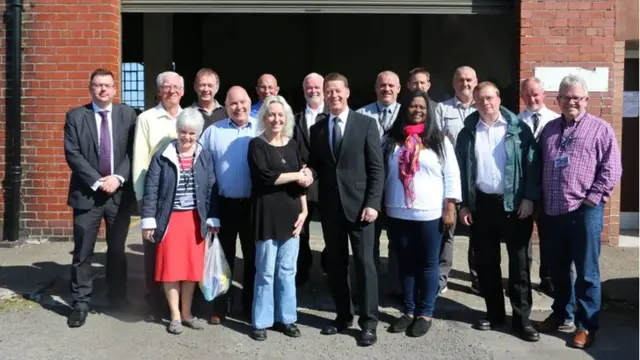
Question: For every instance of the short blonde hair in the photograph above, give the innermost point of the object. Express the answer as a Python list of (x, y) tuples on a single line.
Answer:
[(288, 115)]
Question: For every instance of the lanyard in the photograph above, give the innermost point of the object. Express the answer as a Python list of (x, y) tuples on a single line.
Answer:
[(563, 142), (185, 174)]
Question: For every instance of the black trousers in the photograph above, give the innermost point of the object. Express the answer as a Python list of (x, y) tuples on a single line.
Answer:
[(305, 256), (234, 221), (490, 224), (155, 298), (86, 224), (338, 231)]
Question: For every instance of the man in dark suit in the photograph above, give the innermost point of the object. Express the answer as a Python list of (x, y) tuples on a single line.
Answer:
[(346, 158), (98, 145), (312, 86)]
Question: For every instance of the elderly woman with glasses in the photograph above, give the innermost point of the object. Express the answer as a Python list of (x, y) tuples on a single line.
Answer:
[(178, 200), (278, 212)]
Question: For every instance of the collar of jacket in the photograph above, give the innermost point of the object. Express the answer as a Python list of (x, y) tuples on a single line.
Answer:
[(171, 153), (513, 123)]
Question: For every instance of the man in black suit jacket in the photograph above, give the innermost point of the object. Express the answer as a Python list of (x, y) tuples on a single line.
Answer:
[(312, 86), (98, 146), (346, 158)]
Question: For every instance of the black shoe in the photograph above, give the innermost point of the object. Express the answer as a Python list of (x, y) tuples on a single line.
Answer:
[(367, 337), (402, 324), (290, 330), (337, 326), (259, 334), (485, 324), (77, 317), (420, 327), (546, 288), (528, 333)]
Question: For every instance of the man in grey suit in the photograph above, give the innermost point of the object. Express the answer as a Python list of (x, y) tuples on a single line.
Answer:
[(98, 147)]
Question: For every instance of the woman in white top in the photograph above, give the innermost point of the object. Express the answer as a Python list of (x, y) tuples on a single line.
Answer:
[(421, 189)]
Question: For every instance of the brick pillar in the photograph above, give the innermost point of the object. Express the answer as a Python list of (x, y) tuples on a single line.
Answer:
[(63, 43), (582, 34)]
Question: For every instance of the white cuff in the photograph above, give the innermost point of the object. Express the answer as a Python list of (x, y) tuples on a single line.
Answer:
[(120, 178), (96, 185), (213, 222), (148, 223)]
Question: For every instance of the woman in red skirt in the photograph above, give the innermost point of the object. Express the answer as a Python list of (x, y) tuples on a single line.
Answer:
[(178, 209)]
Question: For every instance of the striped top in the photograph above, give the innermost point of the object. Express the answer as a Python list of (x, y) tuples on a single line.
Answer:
[(186, 192)]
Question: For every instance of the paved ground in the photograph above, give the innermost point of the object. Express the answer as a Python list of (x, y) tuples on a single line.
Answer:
[(37, 330)]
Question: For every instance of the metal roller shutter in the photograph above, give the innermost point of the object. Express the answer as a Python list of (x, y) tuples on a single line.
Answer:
[(321, 6)]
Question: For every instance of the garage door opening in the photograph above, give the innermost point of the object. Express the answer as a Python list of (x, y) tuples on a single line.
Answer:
[(240, 47)]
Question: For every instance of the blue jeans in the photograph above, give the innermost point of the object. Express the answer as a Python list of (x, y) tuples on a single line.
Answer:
[(274, 296), (576, 238), (417, 245)]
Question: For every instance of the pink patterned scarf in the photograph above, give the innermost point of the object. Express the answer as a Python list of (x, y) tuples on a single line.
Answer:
[(408, 160)]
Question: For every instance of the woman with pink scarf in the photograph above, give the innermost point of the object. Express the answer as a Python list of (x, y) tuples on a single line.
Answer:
[(422, 188)]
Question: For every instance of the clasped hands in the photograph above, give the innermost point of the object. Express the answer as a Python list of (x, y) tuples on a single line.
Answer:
[(109, 184), (305, 178)]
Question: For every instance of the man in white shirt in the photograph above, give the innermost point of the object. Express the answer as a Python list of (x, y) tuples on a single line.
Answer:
[(500, 176), (450, 116), (313, 88), (537, 115)]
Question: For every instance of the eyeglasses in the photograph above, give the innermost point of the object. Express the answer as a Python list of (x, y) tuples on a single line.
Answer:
[(106, 86), (572, 98), (167, 87)]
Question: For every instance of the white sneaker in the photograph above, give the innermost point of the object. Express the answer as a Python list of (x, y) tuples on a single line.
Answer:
[(444, 290)]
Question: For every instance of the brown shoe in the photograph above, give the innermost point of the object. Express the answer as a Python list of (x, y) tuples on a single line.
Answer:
[(583, 339), (216, 320), (549, 325)]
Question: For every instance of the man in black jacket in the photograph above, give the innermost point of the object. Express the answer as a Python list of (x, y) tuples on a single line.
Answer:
[(312, 86), (98, 143), (346, 158)]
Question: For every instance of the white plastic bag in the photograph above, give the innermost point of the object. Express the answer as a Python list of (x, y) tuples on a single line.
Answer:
[(216, 277)]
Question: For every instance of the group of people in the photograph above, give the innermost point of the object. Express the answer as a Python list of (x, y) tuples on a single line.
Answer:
[(409, 164)]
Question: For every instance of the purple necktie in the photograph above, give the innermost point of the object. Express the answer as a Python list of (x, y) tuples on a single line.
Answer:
[(105, 145)]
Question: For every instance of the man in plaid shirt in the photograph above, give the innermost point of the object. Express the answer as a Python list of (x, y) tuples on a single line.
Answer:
[(581, 166)]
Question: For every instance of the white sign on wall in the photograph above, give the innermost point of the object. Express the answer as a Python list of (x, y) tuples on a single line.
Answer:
[(597, 79)]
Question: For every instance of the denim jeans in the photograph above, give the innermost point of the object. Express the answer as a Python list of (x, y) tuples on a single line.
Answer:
[(576, 238), (417, 245), (275, 283)]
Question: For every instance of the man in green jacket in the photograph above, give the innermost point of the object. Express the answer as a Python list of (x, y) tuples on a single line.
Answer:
[(500, 175)]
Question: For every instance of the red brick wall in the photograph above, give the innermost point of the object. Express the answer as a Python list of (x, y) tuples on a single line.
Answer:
[(64, 40), (578, 33)]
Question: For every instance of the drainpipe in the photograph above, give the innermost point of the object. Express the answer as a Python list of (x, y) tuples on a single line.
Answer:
[(13, 16)]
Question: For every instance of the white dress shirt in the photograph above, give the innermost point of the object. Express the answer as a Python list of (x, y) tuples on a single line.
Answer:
[(491, 156), (96, 115), (342, 117), (544, 115), (311, 115)]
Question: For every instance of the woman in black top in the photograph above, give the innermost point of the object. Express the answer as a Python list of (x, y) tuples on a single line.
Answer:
[(278, 211)]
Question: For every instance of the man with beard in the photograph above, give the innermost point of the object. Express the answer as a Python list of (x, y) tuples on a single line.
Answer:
[(312, 85), (206, 85), (450, 115), (267, 86)]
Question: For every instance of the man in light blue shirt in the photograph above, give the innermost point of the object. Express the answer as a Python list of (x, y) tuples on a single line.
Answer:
[(267, 86), (385, 110), (228, 142)]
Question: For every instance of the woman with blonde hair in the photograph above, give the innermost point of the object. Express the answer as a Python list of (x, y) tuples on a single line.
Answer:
[(178, 199), (278, 212)]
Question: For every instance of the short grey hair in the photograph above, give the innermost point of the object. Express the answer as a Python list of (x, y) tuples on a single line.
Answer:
[(311, 75), (162, 75), (288, 115), (190, 118), (528, 80), (571, 81)]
